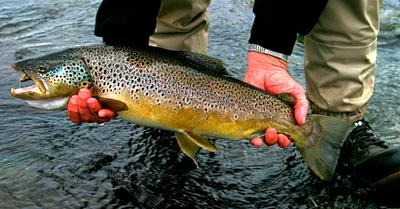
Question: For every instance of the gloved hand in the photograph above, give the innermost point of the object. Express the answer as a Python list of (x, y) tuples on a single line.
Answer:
[(270, 74), (84, 108)]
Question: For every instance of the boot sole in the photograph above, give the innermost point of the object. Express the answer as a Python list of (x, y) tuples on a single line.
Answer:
[(393, 179), (382, 170)]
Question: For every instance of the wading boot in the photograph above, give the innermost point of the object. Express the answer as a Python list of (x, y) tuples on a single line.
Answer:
[(370, 158)]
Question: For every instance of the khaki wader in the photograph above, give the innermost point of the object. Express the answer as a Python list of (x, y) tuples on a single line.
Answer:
[(340, 58), (340, 51), (182, 25)]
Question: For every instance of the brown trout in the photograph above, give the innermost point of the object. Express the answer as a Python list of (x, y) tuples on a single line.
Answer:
[(187, 93)]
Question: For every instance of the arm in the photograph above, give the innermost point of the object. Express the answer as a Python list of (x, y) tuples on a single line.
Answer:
[(127, 22), (277, 23), (273, 34)]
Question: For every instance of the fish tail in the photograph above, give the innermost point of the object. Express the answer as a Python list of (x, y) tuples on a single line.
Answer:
[(321, 148)]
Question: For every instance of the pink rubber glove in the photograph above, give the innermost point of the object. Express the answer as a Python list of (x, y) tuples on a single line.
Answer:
[(84, 108), (270, 74)]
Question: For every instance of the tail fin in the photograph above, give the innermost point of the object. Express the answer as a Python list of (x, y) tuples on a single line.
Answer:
[(322, 147)]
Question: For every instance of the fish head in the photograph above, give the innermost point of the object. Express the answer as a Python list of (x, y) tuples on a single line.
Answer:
[(56, 78)]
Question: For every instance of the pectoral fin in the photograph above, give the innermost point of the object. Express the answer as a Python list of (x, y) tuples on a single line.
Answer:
[(188, 146), (113, 104)]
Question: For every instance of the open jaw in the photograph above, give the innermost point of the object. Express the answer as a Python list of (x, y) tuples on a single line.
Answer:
[(39, 87), (38, 94)]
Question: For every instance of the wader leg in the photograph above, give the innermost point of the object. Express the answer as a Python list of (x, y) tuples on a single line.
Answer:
[(182, 25), (340, 57)]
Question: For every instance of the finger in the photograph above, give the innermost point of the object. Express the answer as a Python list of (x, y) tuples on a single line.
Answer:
[(301, 113), (94, 105), (258, 142), (301, 105), (85, 113), (283, 141), (84, 93), (271, 136), (107, 114), (73, 110)]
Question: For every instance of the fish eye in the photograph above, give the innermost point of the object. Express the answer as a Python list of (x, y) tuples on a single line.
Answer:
[(42, 69)]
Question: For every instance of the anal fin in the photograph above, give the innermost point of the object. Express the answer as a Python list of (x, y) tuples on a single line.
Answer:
[(188, 146), (190, 143), (200, 141)]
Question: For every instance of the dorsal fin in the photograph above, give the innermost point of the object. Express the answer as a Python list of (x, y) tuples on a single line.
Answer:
[(287, 98), (204, 62)]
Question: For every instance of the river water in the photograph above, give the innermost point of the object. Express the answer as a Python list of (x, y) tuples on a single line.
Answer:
[(48, 162)]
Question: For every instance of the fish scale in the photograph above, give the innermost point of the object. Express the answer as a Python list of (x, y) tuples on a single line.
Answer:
[(188, 93)]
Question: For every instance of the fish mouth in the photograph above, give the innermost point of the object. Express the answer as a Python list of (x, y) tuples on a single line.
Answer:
[(38, 87)]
